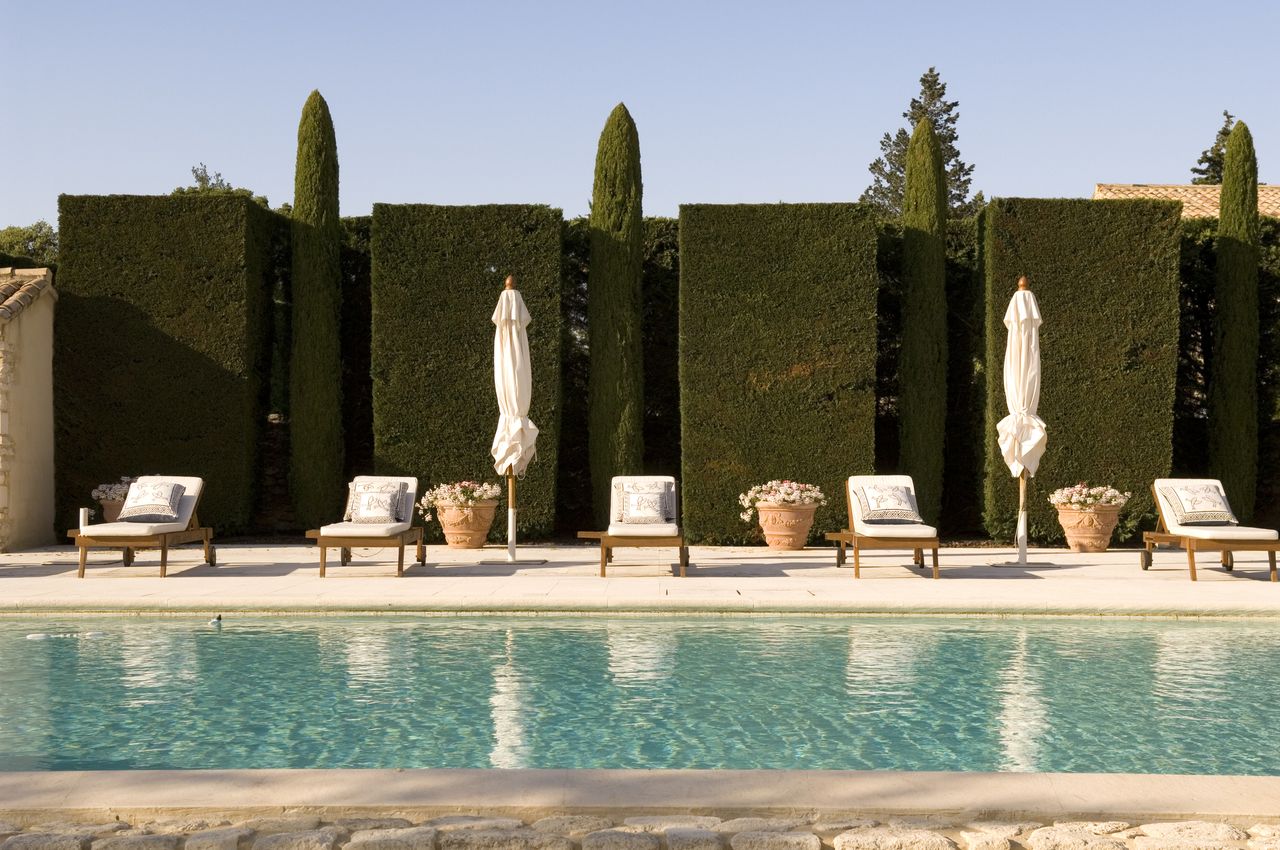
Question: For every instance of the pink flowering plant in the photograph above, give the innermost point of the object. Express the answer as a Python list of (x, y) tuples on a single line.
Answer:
[(114, 491), (780, 493), (1082, 497), (463, 494)]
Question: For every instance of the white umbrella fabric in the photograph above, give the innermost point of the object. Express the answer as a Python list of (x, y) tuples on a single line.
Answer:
[(1023, 435), (514, 442)]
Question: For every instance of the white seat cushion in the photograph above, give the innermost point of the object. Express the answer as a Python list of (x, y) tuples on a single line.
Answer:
[(131, 529), (905, 530), (364, 529), (1203, 532), (1227, 532), (646, 529), (191, 489)]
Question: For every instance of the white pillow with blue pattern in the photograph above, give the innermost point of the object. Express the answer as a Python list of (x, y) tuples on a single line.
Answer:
[(152, 502)]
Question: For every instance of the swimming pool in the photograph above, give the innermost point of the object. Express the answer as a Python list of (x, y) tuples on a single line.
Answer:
[(1134, 696)]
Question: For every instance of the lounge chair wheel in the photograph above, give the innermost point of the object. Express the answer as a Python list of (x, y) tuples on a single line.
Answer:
[(1145, 559)]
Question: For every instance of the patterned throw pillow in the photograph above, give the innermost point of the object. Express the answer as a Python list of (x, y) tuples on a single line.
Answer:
[(887, 504), (642, 502), (370, 502), (152, 502), (1198, 504)]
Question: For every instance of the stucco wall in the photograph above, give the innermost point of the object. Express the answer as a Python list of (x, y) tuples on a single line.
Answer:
[(30, 339)]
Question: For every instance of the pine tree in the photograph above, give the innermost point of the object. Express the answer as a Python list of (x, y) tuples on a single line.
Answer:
[(1233, 380), (315, 370), (616, 382), (922, 401), (1208, 168), (889, 170)]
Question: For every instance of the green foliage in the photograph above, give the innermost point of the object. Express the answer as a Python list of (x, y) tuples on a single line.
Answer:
[(661, 296), (1233, 383), (923, 375), (161, 346), (357, 318), (437, 274), (777, 356), (615, 397), (966, 378), (36, 242), (889, 171), (1105, 276), (1195, 358), (1208, 168), (316, 470), (214, 184)]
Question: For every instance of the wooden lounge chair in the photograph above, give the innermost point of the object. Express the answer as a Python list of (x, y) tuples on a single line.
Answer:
[(346, 534), (624, 533), (862, 534), (132, 536), (1204, 538)]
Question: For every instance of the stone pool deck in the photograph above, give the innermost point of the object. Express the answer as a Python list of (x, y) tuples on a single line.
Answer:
[(284, 578)]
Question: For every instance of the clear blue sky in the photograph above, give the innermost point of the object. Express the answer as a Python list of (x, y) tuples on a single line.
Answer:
[(475, 102)]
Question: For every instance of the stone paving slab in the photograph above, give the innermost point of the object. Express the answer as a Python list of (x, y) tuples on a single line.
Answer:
[(744, 580), (28, 798)]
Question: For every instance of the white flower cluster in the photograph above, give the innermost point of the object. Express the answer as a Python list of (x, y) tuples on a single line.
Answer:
[(112, 492), (461, 493), (1082, 497), (780, 493)]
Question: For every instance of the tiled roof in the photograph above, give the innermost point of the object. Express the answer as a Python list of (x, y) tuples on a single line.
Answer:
[(1197, 201), (19, 287)]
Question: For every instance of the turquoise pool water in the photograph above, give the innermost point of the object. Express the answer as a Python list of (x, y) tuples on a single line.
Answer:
[(868, 693)]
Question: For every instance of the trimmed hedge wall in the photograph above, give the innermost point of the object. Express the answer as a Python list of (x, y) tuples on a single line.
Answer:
[(437, 274), (660, 291), (777, 356), (357, 319), (1106, 276), (161, 346)]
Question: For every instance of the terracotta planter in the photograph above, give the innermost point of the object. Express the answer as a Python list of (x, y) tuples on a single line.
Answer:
[(1089, 531), (785, 526), (111, 510), (466, 527)]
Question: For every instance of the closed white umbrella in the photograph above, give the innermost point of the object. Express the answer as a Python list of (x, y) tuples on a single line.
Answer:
[(513, 443), (1022, 433)]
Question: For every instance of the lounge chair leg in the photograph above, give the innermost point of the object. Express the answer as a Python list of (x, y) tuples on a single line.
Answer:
[(919, 558), (84, 555), (128, 556), (322, 558), (935, 562), (684, 561), (422, 550), (1271, 563), (344, 555), (1191, 558), (164, 557), (604, 557), (400, 560), (857, 562), (840, 553)]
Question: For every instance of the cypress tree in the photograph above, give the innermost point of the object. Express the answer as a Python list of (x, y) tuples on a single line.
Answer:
[(1233, 382), (315, 368), (615, 414), (922, 399)]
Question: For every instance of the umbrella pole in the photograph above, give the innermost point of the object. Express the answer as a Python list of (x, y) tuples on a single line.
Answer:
[(511, 515), (1022, 518)]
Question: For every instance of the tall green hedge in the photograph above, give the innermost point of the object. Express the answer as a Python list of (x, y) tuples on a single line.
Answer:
[(777, 356), (923, 377), (357, 386), (316, 473), (661, 297), (437, 274), (1233, 385), (615, 398), (161, 346), (1105, 274)]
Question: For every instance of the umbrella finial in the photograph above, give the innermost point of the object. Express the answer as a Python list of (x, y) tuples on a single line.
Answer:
[(511, 282), (1022, 283)]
